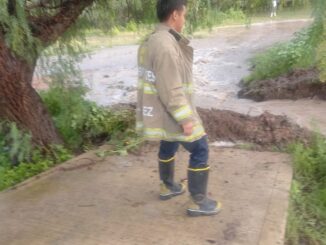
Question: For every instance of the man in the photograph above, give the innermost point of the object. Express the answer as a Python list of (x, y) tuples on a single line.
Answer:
[(165, 108), (274, 8)]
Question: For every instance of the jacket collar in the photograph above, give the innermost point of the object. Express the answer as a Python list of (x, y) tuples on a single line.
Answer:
[(179, 37)]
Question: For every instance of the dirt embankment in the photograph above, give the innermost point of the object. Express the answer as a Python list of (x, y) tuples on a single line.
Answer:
[(298, 84), (266, 130)]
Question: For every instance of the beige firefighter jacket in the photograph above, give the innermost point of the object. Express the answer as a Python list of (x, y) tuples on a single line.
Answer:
[(165, 87)]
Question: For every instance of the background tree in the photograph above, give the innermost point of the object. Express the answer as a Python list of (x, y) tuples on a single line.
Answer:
[(26, 28)]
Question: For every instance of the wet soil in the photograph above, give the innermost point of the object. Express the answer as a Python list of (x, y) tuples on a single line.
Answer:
[(266, 130), (298, 84)]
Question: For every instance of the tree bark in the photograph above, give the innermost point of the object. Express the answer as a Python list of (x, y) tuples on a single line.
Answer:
[(20, 103), (49, 28)]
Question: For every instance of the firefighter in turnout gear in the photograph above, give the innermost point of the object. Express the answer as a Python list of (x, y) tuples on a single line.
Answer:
[(165, 107)]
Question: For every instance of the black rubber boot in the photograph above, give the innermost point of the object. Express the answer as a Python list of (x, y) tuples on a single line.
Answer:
[(168, 188), (200, 204)]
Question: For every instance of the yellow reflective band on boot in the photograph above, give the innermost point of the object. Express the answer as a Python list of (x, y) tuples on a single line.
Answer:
[(198, 169), (167, 161)]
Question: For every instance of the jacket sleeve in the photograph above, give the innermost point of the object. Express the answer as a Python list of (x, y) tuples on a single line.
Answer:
[(169, 85)]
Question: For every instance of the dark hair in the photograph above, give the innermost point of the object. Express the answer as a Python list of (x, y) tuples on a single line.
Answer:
[(164, 8)]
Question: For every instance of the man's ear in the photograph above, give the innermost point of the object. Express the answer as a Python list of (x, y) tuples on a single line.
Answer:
[(175, 15)]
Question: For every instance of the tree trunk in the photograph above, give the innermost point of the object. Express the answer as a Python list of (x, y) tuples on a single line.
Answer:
[(20, 103)]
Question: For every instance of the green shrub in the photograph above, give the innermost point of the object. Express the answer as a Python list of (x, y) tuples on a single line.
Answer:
[(132, 26), (307, 216), (19, 159), (115, 30), (81, 122), (282, 58), (82, 125), (39, 162), (235, 15), (321, 60), (15, 145), (67, 109)]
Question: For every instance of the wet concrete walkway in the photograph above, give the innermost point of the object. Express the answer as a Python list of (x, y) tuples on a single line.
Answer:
[(115, 202)]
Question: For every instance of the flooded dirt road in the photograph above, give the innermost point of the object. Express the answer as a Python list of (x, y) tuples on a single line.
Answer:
[(220, 62)]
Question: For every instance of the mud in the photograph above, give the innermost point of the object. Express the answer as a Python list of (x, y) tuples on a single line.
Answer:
[(266, 130), (298, 84)]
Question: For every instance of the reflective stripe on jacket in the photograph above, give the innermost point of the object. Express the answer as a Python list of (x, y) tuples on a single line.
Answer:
[(165, 87)]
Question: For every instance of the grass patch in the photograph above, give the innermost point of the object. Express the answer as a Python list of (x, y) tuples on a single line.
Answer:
[(307, 212), (13, 174), (300, 52), (19, 160)]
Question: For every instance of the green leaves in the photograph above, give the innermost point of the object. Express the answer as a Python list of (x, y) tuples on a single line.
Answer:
[(319, 10), (10, 176), (15, 145), (82, 123), (321, 58), (307, 49), (18, 35), (19, 160), (319, 7), (300, 52), (307, 218), (121, 144)]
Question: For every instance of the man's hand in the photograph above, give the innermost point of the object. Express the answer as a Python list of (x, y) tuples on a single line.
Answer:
[(187, 128)]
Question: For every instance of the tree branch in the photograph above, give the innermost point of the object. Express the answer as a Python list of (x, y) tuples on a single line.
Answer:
[(49, 28), (42, 4)]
